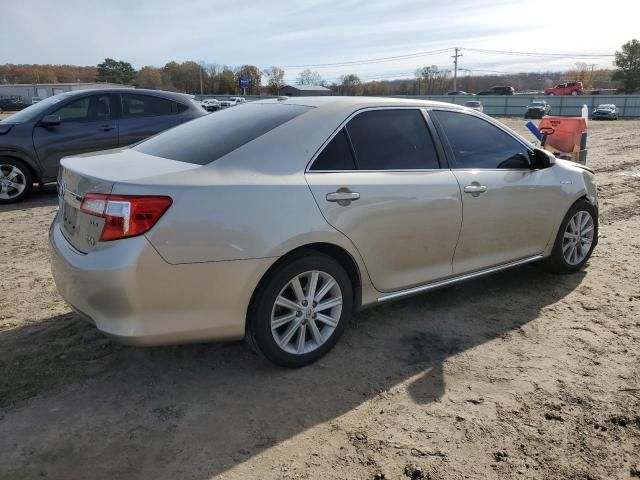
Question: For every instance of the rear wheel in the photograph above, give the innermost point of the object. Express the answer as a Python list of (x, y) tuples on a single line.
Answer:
[(576, 239), (16, 181), (300, 310)]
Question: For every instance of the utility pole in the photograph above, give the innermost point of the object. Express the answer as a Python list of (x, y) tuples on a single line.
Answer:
[(593, 65), (200, 82), (455, 68)]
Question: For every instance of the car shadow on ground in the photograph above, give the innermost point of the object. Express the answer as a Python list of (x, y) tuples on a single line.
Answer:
[(40, 197), (79, 406)]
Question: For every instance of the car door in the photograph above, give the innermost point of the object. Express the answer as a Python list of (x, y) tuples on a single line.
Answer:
[(508, 208), (379, 181), (87, 124), (145, 115)]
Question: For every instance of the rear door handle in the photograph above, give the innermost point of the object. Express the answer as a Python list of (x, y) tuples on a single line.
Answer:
[(107, 128), (343, 198), (475, 189)]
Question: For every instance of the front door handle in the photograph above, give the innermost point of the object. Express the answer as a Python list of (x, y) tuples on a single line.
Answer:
[(475, 189), (107, 128), (343, 197)]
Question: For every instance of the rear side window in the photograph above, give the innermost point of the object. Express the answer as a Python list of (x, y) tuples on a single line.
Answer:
[(336, 155), (211, 137), (134, 106), (478, 144), (391, 139)]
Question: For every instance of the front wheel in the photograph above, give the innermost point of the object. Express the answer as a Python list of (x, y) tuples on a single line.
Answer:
[(300, 310), (15, 180), (576, 239)]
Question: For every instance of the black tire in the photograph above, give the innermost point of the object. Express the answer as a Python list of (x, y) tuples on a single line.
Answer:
[(557, 263), (25, 177), (259, 335)]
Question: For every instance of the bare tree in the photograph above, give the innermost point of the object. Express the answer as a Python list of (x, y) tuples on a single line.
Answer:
[(275, 79), (307, 77)]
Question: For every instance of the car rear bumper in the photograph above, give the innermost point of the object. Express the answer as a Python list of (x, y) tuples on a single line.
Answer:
[(130, 293)]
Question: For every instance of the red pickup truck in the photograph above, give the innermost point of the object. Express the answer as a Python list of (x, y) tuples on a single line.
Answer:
[(569, 88)]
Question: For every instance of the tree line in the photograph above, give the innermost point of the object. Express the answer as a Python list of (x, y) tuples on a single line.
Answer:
[(212, 79)]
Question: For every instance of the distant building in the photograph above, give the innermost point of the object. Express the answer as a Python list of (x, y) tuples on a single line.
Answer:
[(303, 90), (43, 90)]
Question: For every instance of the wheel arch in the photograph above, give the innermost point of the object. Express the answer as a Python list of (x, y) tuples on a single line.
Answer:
[(339, 254), (33, 167)]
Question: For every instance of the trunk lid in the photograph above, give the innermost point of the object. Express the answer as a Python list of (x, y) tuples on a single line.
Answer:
[(99, 173)]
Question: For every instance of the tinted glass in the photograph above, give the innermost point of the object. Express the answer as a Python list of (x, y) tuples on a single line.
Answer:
[(146, 105), (95, 107), (392, 140), (336, 155), (478, 144), (208, 138)]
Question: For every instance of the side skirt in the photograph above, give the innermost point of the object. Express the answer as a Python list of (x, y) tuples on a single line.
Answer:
[(460, 278)]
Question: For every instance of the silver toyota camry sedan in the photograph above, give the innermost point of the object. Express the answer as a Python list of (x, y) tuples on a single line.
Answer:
[(277, 220)]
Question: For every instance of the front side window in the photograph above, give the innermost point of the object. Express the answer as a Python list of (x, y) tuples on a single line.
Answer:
[(86, 109), (391, 139), (477, 143), (135, 105)]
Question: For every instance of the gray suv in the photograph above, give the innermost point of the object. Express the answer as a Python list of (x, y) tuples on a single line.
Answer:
[(33, 141)]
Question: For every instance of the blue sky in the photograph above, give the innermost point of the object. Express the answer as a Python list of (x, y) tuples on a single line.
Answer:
[(313, 32)]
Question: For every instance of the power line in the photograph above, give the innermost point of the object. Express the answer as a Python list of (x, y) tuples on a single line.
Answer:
[(369, 60), (539, 54)]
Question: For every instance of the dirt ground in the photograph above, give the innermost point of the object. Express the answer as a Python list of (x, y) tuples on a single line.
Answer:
[(521, 375)]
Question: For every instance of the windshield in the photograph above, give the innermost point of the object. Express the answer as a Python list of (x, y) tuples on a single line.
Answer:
[(34, 110), (606, 107), (472, 104), (537, 104)]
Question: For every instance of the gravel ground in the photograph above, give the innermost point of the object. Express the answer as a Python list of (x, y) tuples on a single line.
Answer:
[(519, 375)]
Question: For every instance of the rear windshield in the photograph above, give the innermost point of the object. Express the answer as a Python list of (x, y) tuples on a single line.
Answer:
[(209, 138)]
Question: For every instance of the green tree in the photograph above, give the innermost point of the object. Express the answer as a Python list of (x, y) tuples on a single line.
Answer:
[(351, 85), (628, 62), (115, 71), (275, 79)]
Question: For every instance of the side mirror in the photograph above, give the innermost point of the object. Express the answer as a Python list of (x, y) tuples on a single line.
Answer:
[(541, 159), (50, 120)]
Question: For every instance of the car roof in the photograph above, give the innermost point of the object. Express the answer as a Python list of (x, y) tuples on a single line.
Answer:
[(158, 93), (357, 103)]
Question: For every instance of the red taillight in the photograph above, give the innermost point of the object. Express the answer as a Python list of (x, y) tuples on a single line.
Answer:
[(125, 215)]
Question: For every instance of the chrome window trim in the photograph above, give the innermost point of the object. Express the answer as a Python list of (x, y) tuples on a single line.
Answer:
[(420, 108)]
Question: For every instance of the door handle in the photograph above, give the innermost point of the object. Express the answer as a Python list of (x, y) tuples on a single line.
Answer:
[(343, 198), (475, 189), (106, 128)]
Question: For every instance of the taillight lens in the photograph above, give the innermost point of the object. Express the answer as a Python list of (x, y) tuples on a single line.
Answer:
[(125, 215)]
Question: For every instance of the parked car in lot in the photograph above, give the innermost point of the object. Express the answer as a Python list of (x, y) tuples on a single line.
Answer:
[(499, 90), (12, 104), (458, 92), (474, 105), (567, 88), (537, 109), (33, 141), (211, 105), (607, 111), (238, 100), (227, 102), (278, 220)]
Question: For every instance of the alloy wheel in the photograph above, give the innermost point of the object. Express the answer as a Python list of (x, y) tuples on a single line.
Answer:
[(12, 181), (306, 312), (578, 237)]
